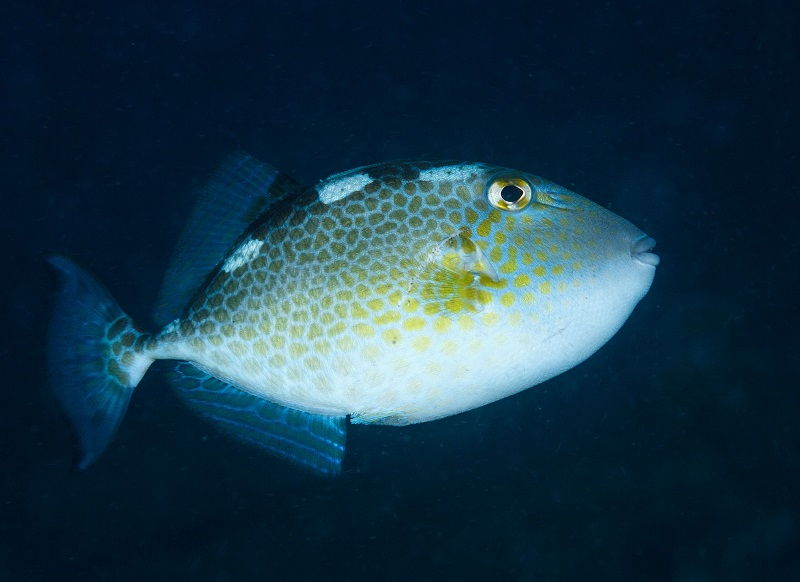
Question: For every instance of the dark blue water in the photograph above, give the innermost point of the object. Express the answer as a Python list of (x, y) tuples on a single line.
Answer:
[(672, 454)]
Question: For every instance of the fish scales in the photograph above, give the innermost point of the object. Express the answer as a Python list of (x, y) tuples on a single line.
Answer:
[(405, 292)]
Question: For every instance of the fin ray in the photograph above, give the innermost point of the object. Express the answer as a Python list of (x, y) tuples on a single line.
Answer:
[(313, 441), (242, 190), (93, 383)]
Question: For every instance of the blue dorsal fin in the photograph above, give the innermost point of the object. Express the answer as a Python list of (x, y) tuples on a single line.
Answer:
[(242, 190), (313, 441)]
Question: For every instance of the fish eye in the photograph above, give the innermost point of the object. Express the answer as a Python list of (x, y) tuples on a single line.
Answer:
[(510, 193)]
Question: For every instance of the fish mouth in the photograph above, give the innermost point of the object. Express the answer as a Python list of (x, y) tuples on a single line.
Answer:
[(640, 251)]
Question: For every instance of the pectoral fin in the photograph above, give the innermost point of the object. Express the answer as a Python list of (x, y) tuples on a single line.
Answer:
[(456, 277)]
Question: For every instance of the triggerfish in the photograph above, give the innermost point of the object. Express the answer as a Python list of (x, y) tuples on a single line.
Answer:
[(391, 294)]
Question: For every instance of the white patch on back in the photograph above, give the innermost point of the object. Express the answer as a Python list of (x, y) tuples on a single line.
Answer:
[(461, 172), (340, 186), (243, 254)]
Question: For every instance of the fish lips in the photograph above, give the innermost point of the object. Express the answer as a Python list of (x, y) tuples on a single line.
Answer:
[(640, 251)]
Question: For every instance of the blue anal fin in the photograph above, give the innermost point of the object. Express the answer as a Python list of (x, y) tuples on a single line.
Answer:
[(312, 441)]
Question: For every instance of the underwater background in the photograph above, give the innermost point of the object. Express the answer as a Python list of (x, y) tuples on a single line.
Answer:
[(671, 454)]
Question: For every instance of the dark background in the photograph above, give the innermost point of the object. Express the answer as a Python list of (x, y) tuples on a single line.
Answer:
[(672, 454)]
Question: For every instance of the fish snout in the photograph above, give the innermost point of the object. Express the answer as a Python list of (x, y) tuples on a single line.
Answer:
[(640, 251)]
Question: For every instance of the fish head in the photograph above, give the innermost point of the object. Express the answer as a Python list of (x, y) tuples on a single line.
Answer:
[(568, 267)]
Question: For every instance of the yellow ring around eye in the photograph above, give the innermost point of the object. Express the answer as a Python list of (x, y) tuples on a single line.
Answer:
[(509, 193)]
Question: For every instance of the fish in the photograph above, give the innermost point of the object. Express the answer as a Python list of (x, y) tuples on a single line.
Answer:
[(390, 294)]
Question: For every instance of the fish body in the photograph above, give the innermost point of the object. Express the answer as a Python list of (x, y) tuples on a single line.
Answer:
[(390, 294)]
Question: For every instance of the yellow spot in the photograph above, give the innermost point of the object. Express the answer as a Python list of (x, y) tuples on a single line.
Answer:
[(484, 228), (391, 336), (558, 269), (499, 237), (490, 318), (508, 267), (363, 330), (562, 286), (414, 323), (496, 254), (515, 318), (358, 311), (449, 347), (472, 216), (507, 299), (432, 308), (346, 343), (337, 328), (527, 298), (577, 265), (541, 255), (260, 347), (237, 348), (375, 304), (344, 295), (247, 333), (322, 347), (371, 351), (421, 343), (313, 363), (539, 271), (411, 305), (278, 341), (545, 287), (466, 323), (494, 215), (388, 317), (314, 330), (527, 258), (522, 281), (277, 361), (297, 350), (441, 324), (363, 291)]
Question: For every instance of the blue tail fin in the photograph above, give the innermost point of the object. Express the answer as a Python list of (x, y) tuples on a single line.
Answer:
[(95, 358)]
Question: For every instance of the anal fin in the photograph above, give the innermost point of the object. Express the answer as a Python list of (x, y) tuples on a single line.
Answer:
[(313, 441)]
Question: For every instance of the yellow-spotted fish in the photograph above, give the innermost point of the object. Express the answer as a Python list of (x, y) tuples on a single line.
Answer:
[(390, 294)]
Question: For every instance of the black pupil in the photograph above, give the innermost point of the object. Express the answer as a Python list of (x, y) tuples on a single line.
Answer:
[(511, 193)]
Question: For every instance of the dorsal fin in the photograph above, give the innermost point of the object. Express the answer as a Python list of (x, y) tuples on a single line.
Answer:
[(242, 190)]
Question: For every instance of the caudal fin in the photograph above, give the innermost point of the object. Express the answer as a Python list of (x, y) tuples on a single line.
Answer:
[(95, 356)]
